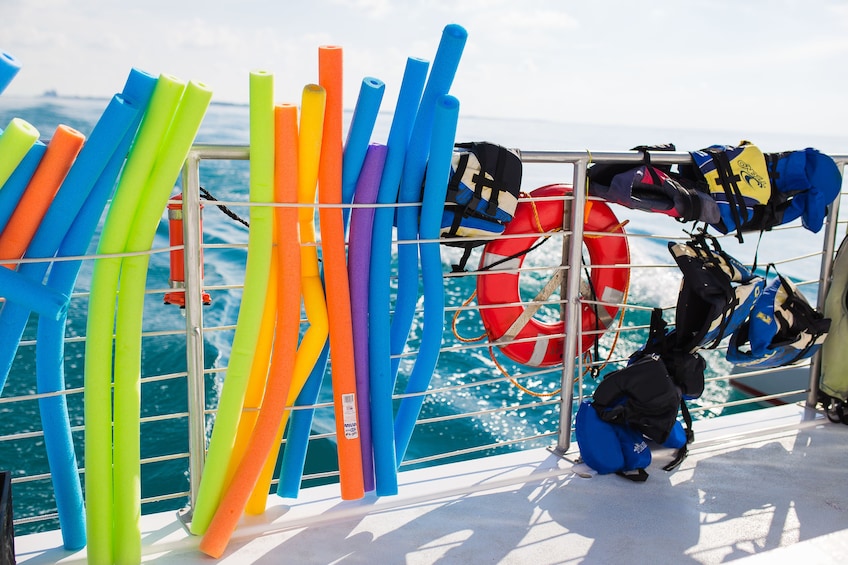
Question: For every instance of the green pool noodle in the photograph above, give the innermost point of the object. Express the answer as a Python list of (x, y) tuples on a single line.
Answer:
[(259, 250), (127, 426), (101, 316), (15, 141)]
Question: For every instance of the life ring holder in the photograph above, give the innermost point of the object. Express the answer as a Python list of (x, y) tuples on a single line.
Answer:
[(498, 294)]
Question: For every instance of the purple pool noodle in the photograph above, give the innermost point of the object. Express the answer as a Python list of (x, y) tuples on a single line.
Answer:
[(359, 260)]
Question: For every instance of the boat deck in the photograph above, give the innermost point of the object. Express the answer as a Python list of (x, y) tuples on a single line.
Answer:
[(760, 485)]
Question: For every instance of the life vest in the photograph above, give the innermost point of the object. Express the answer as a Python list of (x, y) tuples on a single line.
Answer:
[(804, 183), (652, 189), (532, 341), (610, 448), (641, 395), (738, 180), (482, 194), (782, 329), (716, 294)]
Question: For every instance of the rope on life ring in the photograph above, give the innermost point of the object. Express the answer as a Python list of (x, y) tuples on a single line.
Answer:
[(520, 336)]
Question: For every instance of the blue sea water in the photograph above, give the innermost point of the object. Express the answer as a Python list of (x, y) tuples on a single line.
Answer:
[(163, 354)]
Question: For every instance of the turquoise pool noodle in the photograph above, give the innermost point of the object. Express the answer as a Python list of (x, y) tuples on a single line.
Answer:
[(379, 286), (50, 337), (359, 258), (432, 208), (359, 136), (438, 84), (14, 187), (9, 67), (299, 428)]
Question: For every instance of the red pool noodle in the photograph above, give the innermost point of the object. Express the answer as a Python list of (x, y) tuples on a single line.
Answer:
[(42, 187), (263, 438), (336, 279)]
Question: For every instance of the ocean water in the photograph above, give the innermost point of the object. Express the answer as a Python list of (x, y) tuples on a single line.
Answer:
[(224, 267)]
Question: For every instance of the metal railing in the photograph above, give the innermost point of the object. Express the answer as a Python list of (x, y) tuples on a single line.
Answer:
[(553, 426)]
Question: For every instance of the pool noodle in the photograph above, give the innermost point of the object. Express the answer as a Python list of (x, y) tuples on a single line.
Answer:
[(15, 141), (9, 67), (315, 337), (265, 433), (259, 370), (359, 136), (359, 257), (14, 188), (128, 326), (101, 316), (62, 149), (438, 83), (379, 287), (432, 208), (122, 117), (259, 251), (335, 278), (300, 427), (31, 294), (287, 257)]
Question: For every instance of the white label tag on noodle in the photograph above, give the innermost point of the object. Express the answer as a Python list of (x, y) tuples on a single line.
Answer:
[(351, 429)]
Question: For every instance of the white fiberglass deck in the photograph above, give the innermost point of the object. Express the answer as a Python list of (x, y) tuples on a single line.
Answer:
[(763, 485)]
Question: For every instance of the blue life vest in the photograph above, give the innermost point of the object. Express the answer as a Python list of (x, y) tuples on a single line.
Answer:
[(804, 183), (782, 329)]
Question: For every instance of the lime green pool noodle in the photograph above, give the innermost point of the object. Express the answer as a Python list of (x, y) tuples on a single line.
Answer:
[(15, 141), (127, 427), (101, 317), (259, 249)]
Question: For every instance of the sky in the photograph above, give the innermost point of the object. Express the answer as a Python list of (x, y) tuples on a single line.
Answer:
[(776, 65)]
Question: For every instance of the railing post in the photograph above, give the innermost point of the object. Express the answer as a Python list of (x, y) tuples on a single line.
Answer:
[(572, 253), (194, 322)]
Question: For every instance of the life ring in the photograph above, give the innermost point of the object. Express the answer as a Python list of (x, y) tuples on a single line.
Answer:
[(513, 321)]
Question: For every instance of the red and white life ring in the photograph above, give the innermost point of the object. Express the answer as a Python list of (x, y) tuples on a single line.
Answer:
[(511, 320)]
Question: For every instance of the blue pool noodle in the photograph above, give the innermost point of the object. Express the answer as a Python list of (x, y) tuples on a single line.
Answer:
[(47, 239), (438, 84), (14, 187), (432, 208), (123, 117), (359, 136), (21, 289), (379, 287), (300, 426), (9, 67)]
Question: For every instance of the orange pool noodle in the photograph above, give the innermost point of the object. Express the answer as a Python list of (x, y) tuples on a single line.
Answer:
[(287, 257), (336, 278), (262, 441), (42, 187)]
